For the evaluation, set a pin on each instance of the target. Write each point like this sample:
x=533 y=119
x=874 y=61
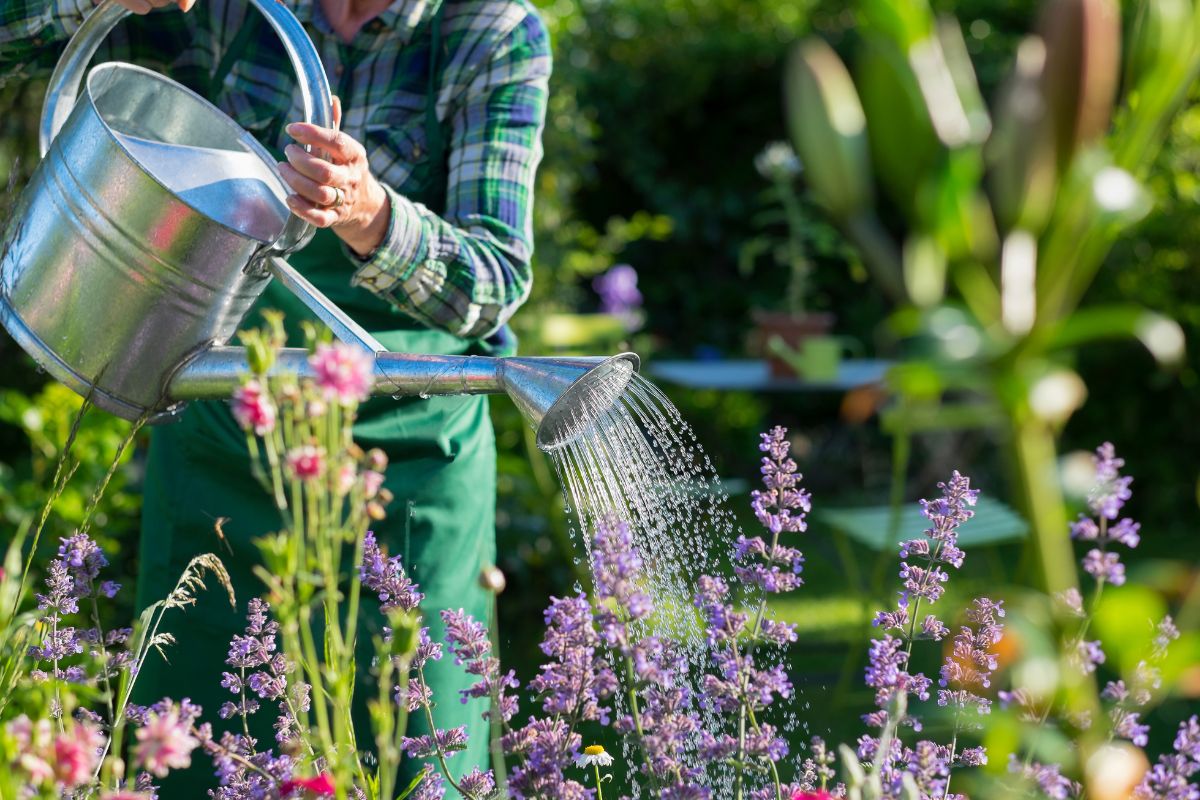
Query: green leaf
x=1125 y=620
x=1161 y=336
x=828 y=128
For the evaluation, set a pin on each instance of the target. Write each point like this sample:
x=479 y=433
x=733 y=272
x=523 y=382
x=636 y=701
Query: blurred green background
x=658 y=109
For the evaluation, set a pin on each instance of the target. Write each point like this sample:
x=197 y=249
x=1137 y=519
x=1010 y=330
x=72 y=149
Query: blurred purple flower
x=618 y=290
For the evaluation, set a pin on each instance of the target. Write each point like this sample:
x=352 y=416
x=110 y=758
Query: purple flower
x=386 y=577
x=887 y=673
x=618 y=290
x=1105 y=500
x=1170 y=778
x=781 y=505
x=478 y=783
x=1111 y=491
x=617 y=569
x=969 y=666
x=472 y=648
x=576 y=679
x=1087 y=655
x=431 y=786
x=441 y=742
x=1045 y=777
x=548 y=746
x=1104 y=566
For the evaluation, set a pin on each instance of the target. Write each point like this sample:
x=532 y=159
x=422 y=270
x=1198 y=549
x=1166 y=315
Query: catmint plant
x=927 y=766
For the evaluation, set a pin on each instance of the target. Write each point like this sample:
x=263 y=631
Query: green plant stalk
x=798 y=285
x=499 y=768
x=879 y=254
x=599 y=791
x=62 y=476
x=1036 y=464
x=441 y=756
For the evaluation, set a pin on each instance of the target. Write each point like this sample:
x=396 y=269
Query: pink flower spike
x=306 y=463
x=817 y=795
x=164 y=744
x=343 y=373
x=253 y=409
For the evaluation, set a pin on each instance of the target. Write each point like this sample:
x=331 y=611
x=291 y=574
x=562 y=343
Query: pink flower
x=820 y=794
x=344 y=373
x=76 y=754
x=346 y=474
x=33 y=748
x=372 y=482
x=124 y=794
x=253 y=409
x=164 y=744
x=307 y=462
x=319 y=786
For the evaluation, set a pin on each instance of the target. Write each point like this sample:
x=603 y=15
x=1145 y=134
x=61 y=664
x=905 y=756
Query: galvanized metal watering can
x=154 y=222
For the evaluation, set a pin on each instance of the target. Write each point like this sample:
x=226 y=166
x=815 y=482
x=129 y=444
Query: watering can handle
x=314 y=84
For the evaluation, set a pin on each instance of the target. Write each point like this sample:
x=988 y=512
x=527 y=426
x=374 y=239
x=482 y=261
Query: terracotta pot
x=792 y=329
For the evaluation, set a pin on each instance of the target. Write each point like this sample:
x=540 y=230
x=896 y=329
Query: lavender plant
x=926 y=768
x=1124 y=702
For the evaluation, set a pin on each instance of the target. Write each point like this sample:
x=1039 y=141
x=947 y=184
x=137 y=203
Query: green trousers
x=442 y=472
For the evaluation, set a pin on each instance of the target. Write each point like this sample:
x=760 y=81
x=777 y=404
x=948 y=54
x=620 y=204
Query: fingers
x=337 y=111
x=186 y=5
x=318 y=194
x=316 y=169
x=342 y=148
x=310 y=213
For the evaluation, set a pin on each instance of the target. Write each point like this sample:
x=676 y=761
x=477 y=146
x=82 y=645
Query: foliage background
x=658 y=108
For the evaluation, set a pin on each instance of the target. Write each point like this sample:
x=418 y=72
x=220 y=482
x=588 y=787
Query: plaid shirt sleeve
x=469 y=270
x=32 y=32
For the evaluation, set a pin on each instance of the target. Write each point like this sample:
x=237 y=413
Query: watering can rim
x=313 y=84
x=239 y=132
x=567 y=397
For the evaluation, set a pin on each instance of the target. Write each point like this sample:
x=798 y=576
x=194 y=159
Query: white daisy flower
x=594 y=754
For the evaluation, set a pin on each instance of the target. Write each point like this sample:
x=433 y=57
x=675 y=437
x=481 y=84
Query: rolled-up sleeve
x=31 y=33
x=468 y=270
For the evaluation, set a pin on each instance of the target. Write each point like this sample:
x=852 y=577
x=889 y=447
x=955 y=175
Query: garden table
x=754 y=375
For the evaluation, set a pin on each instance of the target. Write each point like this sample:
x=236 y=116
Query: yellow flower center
x=593 y=750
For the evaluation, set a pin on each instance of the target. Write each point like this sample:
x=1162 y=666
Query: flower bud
x=375 y=510
x=377 y=459
x=828 y=128
x=492 y=579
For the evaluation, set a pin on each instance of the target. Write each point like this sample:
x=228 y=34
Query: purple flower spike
x=782 y=505
x=386 y=577
x=1105 y=500
x=472 y=648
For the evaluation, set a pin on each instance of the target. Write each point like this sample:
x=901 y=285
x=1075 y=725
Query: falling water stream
x=638 y=459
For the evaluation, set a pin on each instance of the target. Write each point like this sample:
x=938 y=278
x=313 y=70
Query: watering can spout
x=560 y=397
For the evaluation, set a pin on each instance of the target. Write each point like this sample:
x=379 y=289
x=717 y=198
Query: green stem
x=599 y=791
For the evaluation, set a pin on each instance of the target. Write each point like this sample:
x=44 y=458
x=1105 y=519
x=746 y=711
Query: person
x=423 y=198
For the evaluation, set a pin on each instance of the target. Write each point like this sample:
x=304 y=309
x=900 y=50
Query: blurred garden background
x=659 y=109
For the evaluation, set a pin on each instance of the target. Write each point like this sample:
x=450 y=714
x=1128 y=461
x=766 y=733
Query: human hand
x=146 y=6
x=333 y=184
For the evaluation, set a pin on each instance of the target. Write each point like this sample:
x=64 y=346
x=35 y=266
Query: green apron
x=442 y=472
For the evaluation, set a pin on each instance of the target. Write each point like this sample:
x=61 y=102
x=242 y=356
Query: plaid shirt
x=464 y=271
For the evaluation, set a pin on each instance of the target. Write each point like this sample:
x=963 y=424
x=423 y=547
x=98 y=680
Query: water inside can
x=236 y=188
